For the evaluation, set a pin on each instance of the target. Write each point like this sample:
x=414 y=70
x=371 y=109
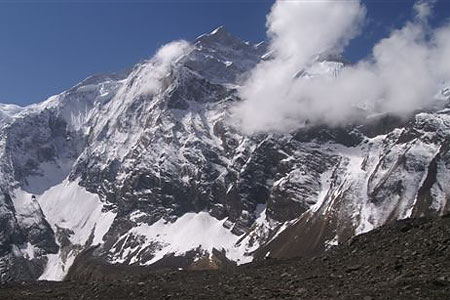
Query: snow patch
x=188 y=232
x=69 y=206
x=191 y=231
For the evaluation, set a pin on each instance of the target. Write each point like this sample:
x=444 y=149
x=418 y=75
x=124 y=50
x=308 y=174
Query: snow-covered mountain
x=145 y=166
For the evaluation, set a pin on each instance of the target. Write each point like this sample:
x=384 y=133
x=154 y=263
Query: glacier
x=144 y=165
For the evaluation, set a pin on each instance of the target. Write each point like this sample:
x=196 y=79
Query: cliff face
x=146 y=166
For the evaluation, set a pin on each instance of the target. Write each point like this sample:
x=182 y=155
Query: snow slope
x=146 y=165
x=76 y=215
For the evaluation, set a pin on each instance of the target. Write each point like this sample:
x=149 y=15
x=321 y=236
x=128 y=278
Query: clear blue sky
x=47 y=46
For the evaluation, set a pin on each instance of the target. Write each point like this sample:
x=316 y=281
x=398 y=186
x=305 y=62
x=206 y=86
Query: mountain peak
x=219 y=31
x=220 y=36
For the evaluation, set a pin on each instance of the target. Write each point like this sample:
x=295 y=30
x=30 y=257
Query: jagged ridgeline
x=144 y=167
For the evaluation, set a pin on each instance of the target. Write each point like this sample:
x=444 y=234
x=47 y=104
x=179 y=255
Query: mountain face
x=144 y=168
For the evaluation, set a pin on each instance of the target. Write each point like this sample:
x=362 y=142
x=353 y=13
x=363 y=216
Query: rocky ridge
x=134 y=163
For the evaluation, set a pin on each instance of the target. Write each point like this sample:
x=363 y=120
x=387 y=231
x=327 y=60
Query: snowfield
x=146 y=164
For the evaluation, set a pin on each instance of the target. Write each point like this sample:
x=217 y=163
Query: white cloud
x=293 y=28
x=160 y=65
x=402 y=74
x=424 y=9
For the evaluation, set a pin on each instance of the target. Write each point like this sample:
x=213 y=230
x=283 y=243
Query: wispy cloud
x=160 y=65
x=403 y=73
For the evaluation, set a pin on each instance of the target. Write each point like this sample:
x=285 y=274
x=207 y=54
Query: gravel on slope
x=409 y=259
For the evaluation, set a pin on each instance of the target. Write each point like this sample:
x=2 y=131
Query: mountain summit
x=145 y=168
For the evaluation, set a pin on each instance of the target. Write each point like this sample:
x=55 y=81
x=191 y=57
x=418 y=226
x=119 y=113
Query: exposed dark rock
x=386 y=263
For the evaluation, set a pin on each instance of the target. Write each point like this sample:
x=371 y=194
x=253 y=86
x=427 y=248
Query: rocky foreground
x=150 y=163
x=406 y=260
